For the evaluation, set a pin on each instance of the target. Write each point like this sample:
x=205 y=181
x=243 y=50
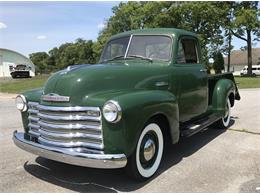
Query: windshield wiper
x=114 y=58
x=141 y=57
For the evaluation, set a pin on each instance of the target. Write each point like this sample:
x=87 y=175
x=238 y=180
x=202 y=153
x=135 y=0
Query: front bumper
x=105 y=161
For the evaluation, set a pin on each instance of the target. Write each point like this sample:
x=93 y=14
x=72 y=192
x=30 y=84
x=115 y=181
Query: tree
x=78 y=52
x=218 y=64
x=246 y=24
x=40 y=60
x=203 y=18
x=228 y=7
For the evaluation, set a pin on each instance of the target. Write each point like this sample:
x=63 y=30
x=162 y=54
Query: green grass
x=9 y=85
x=248 y=82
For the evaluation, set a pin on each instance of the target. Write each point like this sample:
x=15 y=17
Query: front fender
x=222 y=90
x=137 y=108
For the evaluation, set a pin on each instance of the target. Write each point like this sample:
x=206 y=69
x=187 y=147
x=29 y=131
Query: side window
x=187 y=51
x=180 y=55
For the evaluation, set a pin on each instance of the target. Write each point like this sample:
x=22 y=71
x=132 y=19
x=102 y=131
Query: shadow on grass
x=81 y=179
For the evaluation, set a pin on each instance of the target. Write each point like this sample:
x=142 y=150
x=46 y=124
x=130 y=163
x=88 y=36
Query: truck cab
x=150 y=86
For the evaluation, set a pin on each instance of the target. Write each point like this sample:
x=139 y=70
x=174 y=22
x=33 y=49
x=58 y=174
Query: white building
x=9 y=59
x=238 y=60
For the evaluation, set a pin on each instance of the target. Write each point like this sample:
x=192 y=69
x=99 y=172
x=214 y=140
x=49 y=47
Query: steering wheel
x=152 y=55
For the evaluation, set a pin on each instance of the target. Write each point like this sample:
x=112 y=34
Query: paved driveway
x=211 y=161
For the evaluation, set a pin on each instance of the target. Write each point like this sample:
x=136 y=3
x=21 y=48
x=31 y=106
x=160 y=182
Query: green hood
x=85 y=81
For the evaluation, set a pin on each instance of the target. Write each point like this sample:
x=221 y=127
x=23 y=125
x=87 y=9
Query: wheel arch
x=140 y=107
x=223 y=89
x=168 y=129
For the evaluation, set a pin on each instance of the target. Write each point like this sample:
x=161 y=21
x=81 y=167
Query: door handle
x=203 y=70
x=161 y=83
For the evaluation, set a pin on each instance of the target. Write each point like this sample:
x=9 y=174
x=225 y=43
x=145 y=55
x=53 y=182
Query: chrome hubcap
x=149 y=149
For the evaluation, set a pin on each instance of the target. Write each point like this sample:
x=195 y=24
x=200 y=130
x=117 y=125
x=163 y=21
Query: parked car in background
x=150 y=87
x=20 y=70
x=255 y=70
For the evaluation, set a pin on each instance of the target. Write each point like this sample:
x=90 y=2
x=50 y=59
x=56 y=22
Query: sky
x=29 y=27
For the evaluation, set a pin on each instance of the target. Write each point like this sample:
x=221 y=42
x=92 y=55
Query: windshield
x=115 y=48
x=146 y=47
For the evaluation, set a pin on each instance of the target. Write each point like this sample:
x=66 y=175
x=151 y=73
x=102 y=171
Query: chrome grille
x=68 y=127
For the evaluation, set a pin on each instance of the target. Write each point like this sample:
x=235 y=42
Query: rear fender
x=223 y=89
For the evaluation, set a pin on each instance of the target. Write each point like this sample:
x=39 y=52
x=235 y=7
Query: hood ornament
x=53 y=97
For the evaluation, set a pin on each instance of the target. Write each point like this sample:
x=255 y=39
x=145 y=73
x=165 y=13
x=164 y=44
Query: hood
x=80 y=81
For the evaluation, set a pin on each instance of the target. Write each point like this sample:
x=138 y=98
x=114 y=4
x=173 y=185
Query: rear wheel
x=225 y=120
x=145 y=161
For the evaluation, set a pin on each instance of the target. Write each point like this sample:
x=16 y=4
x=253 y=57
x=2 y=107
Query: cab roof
x=157 y=31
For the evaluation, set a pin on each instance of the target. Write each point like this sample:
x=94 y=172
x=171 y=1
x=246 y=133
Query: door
x=192 y=80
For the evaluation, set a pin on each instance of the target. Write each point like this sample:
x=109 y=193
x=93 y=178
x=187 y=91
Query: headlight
x=112 y=111
x=21 y=103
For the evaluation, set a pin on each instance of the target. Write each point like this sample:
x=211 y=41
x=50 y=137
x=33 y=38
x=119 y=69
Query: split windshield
x=145 y=47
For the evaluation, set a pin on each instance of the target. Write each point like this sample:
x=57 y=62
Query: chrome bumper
x=105 y=161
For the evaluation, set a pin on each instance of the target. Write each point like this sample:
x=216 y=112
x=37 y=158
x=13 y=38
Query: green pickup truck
x=149 y=87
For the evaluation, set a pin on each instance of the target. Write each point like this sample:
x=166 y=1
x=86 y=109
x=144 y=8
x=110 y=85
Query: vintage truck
x=149 y=87
x=20 y=70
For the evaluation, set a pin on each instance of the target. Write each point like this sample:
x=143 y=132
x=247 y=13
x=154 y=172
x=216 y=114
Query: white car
x=255 y=70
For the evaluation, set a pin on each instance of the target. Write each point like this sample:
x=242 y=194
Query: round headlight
x=21 y=103
x=112 y=111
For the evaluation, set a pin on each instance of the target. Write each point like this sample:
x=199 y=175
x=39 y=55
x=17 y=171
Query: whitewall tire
x=147 y=157
x=225 y=120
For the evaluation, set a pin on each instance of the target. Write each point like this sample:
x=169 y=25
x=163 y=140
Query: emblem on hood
x=52 y=97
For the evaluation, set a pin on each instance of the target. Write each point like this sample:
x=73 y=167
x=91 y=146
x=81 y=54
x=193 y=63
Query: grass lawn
x=248 y=82
x=9 y=85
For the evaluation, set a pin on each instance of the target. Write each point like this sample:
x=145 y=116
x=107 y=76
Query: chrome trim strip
x=70 y=144
x=128 y=45
x=69 y=126
x=76 y=108
x=70 y=135
x=68 y=117
x=70 y=156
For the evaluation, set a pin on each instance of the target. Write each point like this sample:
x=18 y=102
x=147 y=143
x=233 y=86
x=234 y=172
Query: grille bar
x=70 y=144
x=32 y=111
x=68 y=117
x=33 y=126
x=67 y=109
x=35 y=133
x=68 y=127
x=33 y=119
x=70 y=135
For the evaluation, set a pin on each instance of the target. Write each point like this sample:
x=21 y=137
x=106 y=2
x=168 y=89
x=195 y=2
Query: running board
x=196 y=126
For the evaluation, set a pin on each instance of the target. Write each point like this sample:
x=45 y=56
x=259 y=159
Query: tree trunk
x=249 y=52
x=229 y=50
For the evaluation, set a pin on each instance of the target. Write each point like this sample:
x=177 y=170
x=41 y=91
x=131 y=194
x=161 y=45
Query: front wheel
x=145 y=161
x=225 y=120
